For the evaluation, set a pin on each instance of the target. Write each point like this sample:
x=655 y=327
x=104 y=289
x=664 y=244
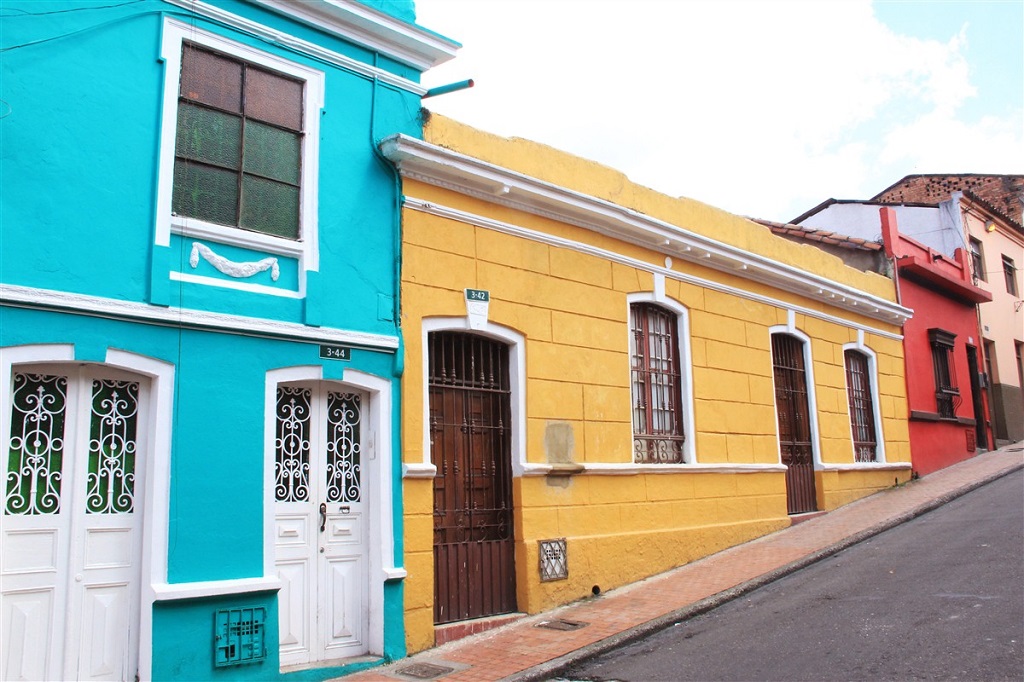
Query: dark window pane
x=210 y=136
x=211 y=79
x=272 y=152
x=205 y=192
x=270 y=207
x=273 y=98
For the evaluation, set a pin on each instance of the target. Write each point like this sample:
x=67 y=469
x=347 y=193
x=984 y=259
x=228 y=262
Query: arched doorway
x=794 y=419
x=470 y=445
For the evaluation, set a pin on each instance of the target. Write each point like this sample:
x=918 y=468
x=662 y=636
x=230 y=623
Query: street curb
x=550 y=669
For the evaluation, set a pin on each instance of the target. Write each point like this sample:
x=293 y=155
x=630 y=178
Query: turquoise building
x=199 y=337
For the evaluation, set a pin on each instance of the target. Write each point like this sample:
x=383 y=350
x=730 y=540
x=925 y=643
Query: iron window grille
x=862 y=408
x=1010 y=275
x=656 y=385
x=238 y=150
x=977 y=260
x=947 y=394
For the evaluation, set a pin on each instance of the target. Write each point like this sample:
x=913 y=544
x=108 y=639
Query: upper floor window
x=862 y=407
x=238 y=152
x=1010 y=275
x=947 y=394
x=656 y=384
x=977 y=260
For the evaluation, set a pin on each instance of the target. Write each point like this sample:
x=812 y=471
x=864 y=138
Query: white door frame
x=155 y=494
x=378 y=469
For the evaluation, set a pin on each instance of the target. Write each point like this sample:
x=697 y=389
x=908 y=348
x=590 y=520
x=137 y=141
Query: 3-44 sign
x=335 y=352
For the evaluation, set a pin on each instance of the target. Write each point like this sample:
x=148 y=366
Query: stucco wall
x=572 y=309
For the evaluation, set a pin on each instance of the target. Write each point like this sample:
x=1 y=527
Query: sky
x=764 y=108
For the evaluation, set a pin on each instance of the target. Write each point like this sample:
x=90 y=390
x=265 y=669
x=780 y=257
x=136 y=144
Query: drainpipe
x=451 y=87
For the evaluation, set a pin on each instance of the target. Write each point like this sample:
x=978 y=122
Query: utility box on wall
x=239 y=636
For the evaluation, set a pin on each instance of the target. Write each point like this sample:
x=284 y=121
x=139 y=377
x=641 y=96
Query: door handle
x=323 y=516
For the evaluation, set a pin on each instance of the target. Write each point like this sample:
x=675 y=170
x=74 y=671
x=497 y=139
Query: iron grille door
x=794 y=423
x=470 y=413
x=862 y=408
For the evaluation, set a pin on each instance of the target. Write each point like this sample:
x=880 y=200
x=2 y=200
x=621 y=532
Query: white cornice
x=609 y=469
x=415 y=204
x=366 y=26
x=47 y=299
x=297 y=44
x=441 y=167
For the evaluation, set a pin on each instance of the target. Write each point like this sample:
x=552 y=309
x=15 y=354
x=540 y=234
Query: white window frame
x=305 y=248
x=658 y=297
x=876 y=405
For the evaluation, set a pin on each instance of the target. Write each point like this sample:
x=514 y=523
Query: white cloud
x=762 y=108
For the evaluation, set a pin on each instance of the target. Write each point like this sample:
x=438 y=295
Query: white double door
x=71 y=524
x=320 y=522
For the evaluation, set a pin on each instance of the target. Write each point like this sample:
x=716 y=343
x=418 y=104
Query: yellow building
x=602 y=382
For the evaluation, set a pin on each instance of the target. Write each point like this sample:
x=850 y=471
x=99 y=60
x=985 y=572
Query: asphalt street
x=940 y=598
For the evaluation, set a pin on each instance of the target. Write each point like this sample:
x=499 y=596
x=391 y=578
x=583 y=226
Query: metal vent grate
x=561 y=624
x=239 y=636
x=554 y=561
x=424 y=671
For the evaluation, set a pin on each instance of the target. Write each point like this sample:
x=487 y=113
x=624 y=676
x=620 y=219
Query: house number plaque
x=477 y=301
x=335 y=352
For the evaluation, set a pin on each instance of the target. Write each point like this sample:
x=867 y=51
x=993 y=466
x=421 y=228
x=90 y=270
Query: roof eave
x=419 y=160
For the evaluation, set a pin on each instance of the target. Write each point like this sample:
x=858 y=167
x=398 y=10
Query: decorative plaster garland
x=231 y=268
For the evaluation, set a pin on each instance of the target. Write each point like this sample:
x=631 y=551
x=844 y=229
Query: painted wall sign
x=335 y=352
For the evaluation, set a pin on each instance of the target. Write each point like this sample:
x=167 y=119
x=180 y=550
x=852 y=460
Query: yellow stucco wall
x=572 y=310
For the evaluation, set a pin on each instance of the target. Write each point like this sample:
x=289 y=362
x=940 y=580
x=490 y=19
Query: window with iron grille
x=977 y=260
x=656 y=385
x=238 y=150
x=862 y=407
x=947 y=394
x=1010 y=275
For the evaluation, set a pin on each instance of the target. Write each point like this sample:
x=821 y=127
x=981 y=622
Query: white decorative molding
x=610 y=469
x=419 y=470
x=214 y=588
x=176 y=276
x=866 y=466
x=231 y=268
x=441 y=167
x=416 y=204
x=350 y=21
x=396 y=573
x=82 y=304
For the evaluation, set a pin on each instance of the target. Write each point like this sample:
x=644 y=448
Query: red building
x=947 y=410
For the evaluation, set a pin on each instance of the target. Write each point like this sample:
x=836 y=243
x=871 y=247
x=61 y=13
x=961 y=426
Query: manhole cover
x=424 y=671
x=562 y=624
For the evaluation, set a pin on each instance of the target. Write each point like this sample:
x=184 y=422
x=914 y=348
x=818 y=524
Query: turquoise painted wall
x=81 y=84
x=84 y=95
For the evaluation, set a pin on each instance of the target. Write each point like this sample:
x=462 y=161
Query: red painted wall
x=934 y=444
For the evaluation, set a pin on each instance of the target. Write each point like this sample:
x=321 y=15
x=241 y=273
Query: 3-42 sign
x=478 y=295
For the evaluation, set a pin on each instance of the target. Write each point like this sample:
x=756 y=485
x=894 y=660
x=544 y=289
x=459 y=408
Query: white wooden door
x=320 y=523
x=72 y=521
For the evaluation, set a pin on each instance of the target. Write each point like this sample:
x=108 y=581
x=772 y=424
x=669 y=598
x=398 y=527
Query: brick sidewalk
x=522 y=651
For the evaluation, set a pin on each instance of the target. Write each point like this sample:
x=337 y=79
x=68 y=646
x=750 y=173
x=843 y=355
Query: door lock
x=323 y=516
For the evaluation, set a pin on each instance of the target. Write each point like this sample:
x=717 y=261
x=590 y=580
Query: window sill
x=922 y=416
x=200 y=229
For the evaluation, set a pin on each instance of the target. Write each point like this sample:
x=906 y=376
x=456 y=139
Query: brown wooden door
x=470 y=444
x=794 y=422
